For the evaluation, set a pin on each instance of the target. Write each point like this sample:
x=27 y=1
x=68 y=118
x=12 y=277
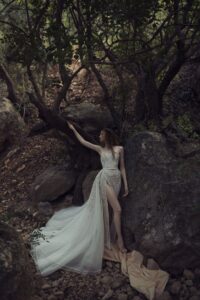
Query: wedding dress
x=74 y=238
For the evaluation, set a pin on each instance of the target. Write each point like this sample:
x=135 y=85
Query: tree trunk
x=107 y=97
x=148 y=103
x=12 y=95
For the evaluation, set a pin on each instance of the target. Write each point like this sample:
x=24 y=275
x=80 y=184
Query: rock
x=36 y=298
x=52 y=297
x=184 y=288
x=101 y=293
x=12 y=127
x=182 y=297
x=12 y=152
x=109 y=264
x=45 y=208
x=184 y=292
x=194 y=298
x=189 y=282
x=197 y=272
x=193 y=290
x=137 y=298
x=15 y=271
x=159 y=216
x=59 y=293
x=87 y=184
x=122 y=296
x=91 y=114
x=108 y=295
x=188 y=274
x=106 y=279
x=182 y=279
x=21 y=168
x=117 y=283
x=152 y=264
x=165 y=296
x=52 y=183
x=46 y=286
x=175 y=288
x=130 y=291
x=55 y=283
x=118 y=266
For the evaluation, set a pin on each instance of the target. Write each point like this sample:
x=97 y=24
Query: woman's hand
x=82 y=140
x=125 y=192
x=71 y=126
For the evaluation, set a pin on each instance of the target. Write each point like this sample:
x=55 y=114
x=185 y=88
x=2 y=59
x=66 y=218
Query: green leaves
x=36 y=35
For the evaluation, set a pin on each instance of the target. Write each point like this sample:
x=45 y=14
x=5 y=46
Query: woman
x=74 y=238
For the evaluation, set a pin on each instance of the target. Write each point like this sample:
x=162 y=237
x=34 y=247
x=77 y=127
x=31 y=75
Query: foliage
x=35 y=236
x=5 y=217
x=185 y=124
x=151 y=40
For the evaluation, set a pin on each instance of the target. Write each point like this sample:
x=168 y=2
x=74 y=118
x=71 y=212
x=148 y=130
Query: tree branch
x=64 y=89
x=14 y=26
x=6 y=6
x=34 y=84
x=54 y=120
x=12 y=95
x=40 y=16
x=107 y=96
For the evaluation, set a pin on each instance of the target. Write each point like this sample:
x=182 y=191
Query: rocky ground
x=19 y=167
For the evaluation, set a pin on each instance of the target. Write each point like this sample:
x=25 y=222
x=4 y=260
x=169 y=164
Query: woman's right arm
x=83 y=141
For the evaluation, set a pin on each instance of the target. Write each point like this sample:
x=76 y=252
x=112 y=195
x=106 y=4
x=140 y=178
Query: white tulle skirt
x=74 y=238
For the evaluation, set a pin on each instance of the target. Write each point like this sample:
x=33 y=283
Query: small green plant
x=5 y=217
x=139 y=127
x=35 y=236
x=195 y=135
x=185 y=124
x=152 y=126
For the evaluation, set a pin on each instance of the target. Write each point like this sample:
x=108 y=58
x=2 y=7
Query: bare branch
x=6 y=6
x=14 y=26
x=12 y=95
x=28 y=17
x=40 y=16
x=64 y=89
x=56 y=121
x=34 y=84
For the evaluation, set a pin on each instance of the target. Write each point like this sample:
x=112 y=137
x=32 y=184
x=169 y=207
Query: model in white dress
x=74 y=238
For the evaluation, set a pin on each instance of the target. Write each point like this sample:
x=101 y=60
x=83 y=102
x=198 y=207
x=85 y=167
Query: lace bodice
x=108 y=161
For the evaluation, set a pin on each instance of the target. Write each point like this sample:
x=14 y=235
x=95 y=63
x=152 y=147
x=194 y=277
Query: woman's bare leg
x=113 y=201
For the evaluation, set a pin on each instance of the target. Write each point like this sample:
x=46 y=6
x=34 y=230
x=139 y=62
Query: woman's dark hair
x=111 y=138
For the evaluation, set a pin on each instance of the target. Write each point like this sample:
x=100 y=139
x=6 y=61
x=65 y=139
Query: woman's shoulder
x=119 y=148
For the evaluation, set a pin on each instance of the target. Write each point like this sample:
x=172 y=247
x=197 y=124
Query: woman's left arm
x=123 y=172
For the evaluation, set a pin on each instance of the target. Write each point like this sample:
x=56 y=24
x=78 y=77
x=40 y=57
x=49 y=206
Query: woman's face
x=102 y=136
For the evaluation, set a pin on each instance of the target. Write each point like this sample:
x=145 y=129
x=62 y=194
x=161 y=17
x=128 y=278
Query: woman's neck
x=106 y=146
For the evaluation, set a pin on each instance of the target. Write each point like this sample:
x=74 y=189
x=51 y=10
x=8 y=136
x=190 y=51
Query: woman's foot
x=120 y=244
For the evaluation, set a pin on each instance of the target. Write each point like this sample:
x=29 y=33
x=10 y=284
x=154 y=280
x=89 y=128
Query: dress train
x=74 y=238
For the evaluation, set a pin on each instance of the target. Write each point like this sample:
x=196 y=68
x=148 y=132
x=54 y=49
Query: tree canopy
x=150 y=40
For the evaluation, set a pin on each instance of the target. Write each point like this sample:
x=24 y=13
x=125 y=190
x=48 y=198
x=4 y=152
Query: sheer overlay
x=74 y=238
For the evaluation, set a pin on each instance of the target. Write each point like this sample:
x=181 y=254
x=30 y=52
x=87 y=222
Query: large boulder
x=12 y=126
x=161 y=215
x=92 y=116
x=15 y=273
x=54 y=182
x=87 y=184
